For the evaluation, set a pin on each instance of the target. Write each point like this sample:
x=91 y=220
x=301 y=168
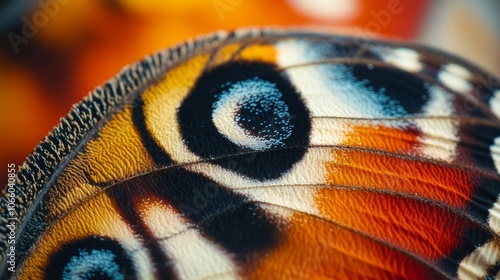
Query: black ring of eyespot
x=75 y=254
x=204 y=139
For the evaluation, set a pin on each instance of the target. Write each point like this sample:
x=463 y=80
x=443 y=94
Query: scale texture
x=267 y=154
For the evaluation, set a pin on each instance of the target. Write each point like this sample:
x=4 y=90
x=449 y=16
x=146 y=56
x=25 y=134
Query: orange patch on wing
x=256 y=52
x=427 y=180
x=313 y=248
x=118 y=152
x=387 y=196
x=377 y=170
x=383 y=138
x=416 y=226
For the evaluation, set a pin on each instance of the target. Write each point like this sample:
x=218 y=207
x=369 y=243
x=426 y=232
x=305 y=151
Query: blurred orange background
x=53 y=52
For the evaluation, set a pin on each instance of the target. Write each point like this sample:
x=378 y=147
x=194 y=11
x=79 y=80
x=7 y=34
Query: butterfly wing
x=269 y=154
